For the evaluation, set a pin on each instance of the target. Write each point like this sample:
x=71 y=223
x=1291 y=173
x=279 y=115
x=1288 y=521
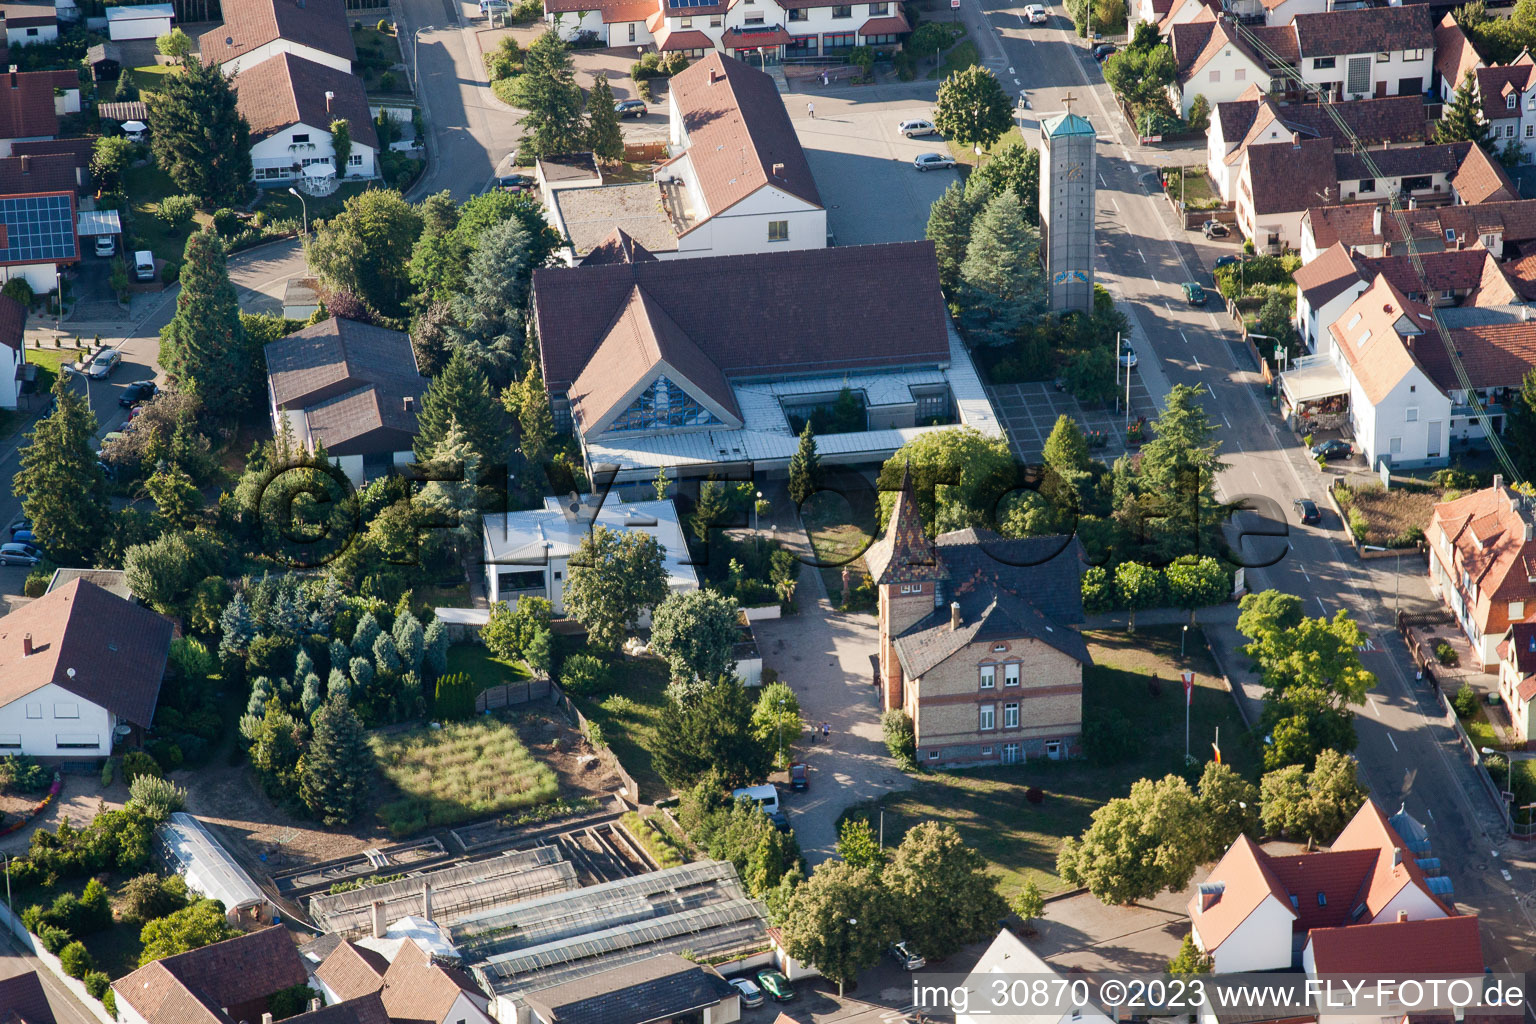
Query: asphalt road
x=1407 y=758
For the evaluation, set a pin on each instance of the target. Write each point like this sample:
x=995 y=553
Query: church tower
x=1067 y=176
x=909 y=579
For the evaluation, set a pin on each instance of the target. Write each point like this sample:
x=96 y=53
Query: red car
x=799 y=777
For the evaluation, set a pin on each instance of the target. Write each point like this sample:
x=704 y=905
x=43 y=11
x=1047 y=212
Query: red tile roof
x=1494 y=85
x=1324 y=886
x=1487 y=532
x=194 y=987
x=896 y=24
x=286 y=90
x=352 y=971
x=903 y=553
x=321 y=24
x=22 y=1001
x=115 y=649
x=1481 y=179
x=739 y=135
x=1370 y=830
x=1353 y=224
x=1519 y=649
x=1439 y=946
x=1291 y=176
x=1245 y=881
x=1327 y=276
x=13 y=323
x=417 y=991
x=26 y=105
x=1454 y=53
x=764 y=314
x=772 y=35
x=613 y=11
x=618 y=247
x=687 y=39
x=1379 y=29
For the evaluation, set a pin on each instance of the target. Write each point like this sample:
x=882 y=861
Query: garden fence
x=645 y=152
x=509 y=694
x=605 y=755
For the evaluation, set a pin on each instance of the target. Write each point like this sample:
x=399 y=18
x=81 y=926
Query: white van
x=765 y=796
x=144 y=265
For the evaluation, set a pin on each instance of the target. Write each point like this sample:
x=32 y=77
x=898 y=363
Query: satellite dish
x=70 y=672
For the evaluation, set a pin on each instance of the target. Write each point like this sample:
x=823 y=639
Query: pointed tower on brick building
x=909 y=578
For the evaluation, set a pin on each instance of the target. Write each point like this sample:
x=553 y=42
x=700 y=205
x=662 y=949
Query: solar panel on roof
x=38 y=229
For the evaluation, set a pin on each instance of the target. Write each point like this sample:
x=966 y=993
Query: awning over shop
x=735 y=39
x=894 y=25
x=1311 y=379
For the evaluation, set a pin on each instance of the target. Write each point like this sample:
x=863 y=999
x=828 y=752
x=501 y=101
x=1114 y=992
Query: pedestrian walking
x=824 y=79
x=810 y=108
x=826 y=732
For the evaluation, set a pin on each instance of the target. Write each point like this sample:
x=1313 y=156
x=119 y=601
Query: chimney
x=426 y=901
x=1402 y=916
x=1295 y=140
x=13 y=76
x=379 y=928
x=26 y=644
x=1386 y=249
x=954 y=615
x=329 y=96
x=1397 y=856
x=314 y=1004
x=266 y=1018
x=26 y=164
x=1376 y=220
x=1498 y=483
x=778 y=170
x=714 y=76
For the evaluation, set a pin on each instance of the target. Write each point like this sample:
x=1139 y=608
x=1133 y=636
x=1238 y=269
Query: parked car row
x=775 y=984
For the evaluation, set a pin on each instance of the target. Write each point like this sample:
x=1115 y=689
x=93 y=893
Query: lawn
x=839 y=534
x=1392 y=518
x=145 y=187
x=961 y=56
x=461 y=772
x=151 y=77
x=1019 y=839
x=49 y=361
x=629 y=726
x=280 y=204
x=1194 y=189
x=484 y=670
x=967 y=155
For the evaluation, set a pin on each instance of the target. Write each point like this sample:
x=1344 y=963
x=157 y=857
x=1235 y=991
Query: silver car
x=16 y=553
x=913 y=127
x=751 y=995
x=934 y=162
x=105 y=362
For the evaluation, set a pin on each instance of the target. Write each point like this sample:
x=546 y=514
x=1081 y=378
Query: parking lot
x=1029 y=412
x=863 y=166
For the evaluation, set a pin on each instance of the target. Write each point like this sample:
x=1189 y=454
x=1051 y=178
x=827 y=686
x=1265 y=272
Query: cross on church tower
x=1069 y=99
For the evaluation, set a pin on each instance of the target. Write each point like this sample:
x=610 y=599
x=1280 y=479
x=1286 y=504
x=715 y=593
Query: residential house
x=1214 y=61
x=1517 y=677
x=1382 y=51
x=418 y=990
x=1481 y=548
x=1257 y=910
x=761 y=31
x=255 y=30
x=664 y=987
x=1437 y=946
x=53 y=172
x=1276 y=183
x=145 y=21
x=13 y=350
x=222 y=983
x=1150 y=11
x=38 y=237
x=27 y=107
x=1408 y=405
x=1455 y=58
x=1255 y=118
x=650 y=370
x=29 y=24
x=1508 y=95
x=737 y=180
x=1280 y=13
x=23 y=1001
x=527 y=552
x=290 y=103
x=976 y=640
x=1180 y=12
x=351 y=387
x=1004 y=961
x=1457 y=172
x=1505 y=229
x=349 y=971
x=77 y=666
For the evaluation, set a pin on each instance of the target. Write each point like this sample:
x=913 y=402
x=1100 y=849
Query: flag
x=1217 y=749
x=1189 y=688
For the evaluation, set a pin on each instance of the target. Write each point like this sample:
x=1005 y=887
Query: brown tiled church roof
x=904 y=554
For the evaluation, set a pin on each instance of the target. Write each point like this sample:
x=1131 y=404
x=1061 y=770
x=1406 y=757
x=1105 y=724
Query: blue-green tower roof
x=1068 y=124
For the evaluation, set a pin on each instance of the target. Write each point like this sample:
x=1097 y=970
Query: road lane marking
x=1372 y=702
x=1394 y=750
x=1142 y=255
x=1102 y=181
x=1507 y=877
x=1198 y=367
x=1011 y=71
x=1430 y=813
x=1185 y=337
x=1015 y=81
x=1225 y=420
x=1303 y=573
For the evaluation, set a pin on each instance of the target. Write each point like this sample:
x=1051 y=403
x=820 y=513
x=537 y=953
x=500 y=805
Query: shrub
x=225 y=222
x=580 y=674
x=157 y=798
x=17 y=288
x=97 y=983
x=1358 y=526
x=109 y=998
x=1445 y=653
x=176 y=211
x=20 y=774
x=53 y=938
x=76 y=960
x=454 y=699
x=595 y=735
x=39 y=578
x=1035 y=795
x=900 y=738
x=387 y=81
x=136 y=763
x=170 y=271
x=148 y=896
x=290 y=1002
x=1465 y=701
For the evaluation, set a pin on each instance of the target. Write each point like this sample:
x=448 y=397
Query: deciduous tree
x=841 y=920
x=958 y=476
x=610 y=578
x=1138 y=587
x=776 y=719
x=175 y=44
x=946 y=896
x=1015 y=168
x=201 y=924
x=1189 y=959
x=1229 y=807
x=365 y=249
x=695 y=632
x=973 y=108
x=857 y=844
x=1312 y=805
x=1138 y=845
x=1196 y=582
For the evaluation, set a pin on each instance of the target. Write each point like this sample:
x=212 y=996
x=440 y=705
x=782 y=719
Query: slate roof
x=738 y=132
x=350 y=380
x=903 y=553
x=618 y=247
x=26 y=105
x=321 y=24
x=286 y=90
x=22 y=1001
x=116 y=648
x=1327 y=276
x=661 y=987
x=192 y=987
x=1439 y=946
x=352 y=970
x=757 y=315
x=13 y=323
x=1373 y=30
x=1352 y=223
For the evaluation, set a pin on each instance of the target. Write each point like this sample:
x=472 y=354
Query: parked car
x=138 y=391
x=493 y=6
x=934 y=162
x=1128 y=356
x=24 y=537
x=1226 y=261
x=630 y=108
x=106 y=245
x=143 y=265
x=107 y=439
x=1306 y=511
x=908 y=960
x=799 y=776
x=1331 y=449
x=1214 y=229
x=105 y=362
x=776 y=985
x=1036 y=14
x=16 y=553
x=20 y=524
x=514 y=183
x=1103 y=50
x=751 y=995
x=915 y=126
x=1194 y=293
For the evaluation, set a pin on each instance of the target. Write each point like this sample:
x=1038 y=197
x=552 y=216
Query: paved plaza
x=1029 y=412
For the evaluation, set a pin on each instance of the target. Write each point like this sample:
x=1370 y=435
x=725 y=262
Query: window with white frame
x=985 y=751
x=1411 y=414
x=1395 y=446
x=988 y=677
x=1530 y=130
x=1010 y=716
x=1215 y=75
x=933 y=755
x=1011 y=674
x=986 y=717
x=356 y=159
x=1384 y=56
x=1413 y=55
x=1516 y=610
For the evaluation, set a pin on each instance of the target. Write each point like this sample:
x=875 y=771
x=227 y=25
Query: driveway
x=863 y=166
x=824 y=656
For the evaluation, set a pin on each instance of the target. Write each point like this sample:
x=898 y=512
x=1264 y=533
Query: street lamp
x=303 y=207
x=1509 y=765
x=852 y=921
x=416 y=59
x=755 y=506
x=10 y=912
x=1183 y=637
x=781 y=730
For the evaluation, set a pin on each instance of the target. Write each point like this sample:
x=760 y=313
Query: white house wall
x=1376 y=425
x=1261 y=943
x=139 y=28
x=276 y=152
x=1286 y=12
x=1314 y=323
x=1217 y=150
x=465 y=1011
x=743 y=228
x=1225 y=77
x=66 y=101
x=570 y=26
x=255 y=56
x=33 y=34
x=10 y=359
x=43 y=277
x=42 y=719
x=1389 y=72
x=1415 y=902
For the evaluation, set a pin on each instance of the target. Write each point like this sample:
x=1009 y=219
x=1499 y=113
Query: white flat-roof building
x=526 y=553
